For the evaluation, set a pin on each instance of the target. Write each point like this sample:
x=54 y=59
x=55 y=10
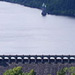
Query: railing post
x=29 y=59
x=0 y=59
x=23 y=59
x=69 y=59
x=62 y=59
x=3 y=58
x=74 y=59
x=42 y=59
x=48 y=59
x=9 y=59
x=36 y=59
x=16 y=59
x=55 y=60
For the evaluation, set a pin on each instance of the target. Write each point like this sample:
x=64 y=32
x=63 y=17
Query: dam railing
x=42 y=58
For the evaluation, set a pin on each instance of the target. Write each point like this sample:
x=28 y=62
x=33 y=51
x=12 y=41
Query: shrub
x=18 y=71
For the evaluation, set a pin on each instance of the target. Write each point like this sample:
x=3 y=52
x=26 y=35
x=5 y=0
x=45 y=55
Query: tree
x=18 y=71
x=58 y=7
x=31 y=72
x=14 y=71
x=72 y=70
x=62 y=72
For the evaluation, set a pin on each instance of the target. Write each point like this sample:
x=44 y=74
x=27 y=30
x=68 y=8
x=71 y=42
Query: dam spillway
x=38 y=58
x=42 y=64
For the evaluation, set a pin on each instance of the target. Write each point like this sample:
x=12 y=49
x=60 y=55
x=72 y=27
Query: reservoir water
x=24 y=30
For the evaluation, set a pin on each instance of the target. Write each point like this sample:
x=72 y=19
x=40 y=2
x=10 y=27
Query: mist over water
x=24 y=30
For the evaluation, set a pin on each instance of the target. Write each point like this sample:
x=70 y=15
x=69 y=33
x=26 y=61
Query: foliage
x=72 y=70
x=18 y=71
x=62 y=72
x=49 y=74
x=14 y=71
x=58 y=7
x=31 y=72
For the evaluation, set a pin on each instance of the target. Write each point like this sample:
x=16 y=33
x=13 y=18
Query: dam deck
x=38 y=58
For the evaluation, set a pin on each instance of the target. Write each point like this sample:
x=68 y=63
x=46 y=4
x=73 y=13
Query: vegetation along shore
x=57 y=7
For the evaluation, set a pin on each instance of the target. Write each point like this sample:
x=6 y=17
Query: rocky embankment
x=40 y=69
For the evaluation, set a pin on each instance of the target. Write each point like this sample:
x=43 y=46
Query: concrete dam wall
x=38 y=58
x=42 y=64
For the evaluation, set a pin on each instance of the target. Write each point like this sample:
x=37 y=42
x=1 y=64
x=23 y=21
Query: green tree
x=62 y=72
x=14 y=71
x=49 y=74
x=58 y=7
x=31 y=72
x=18 y=71
x=72 y=70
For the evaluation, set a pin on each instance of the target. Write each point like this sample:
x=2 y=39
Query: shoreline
x=48 y=13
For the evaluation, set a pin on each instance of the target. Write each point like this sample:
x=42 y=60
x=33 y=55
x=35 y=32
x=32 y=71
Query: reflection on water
x=24 y=31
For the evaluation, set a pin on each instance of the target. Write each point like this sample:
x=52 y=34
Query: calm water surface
x=24 y=31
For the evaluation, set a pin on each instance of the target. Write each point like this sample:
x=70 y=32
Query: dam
x=38 y=58
x=42 y=64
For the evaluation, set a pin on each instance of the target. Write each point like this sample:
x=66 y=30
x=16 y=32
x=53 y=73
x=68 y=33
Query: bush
x=62 y=72
x=18 y=71
x=14 y=71
x=31 y=72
